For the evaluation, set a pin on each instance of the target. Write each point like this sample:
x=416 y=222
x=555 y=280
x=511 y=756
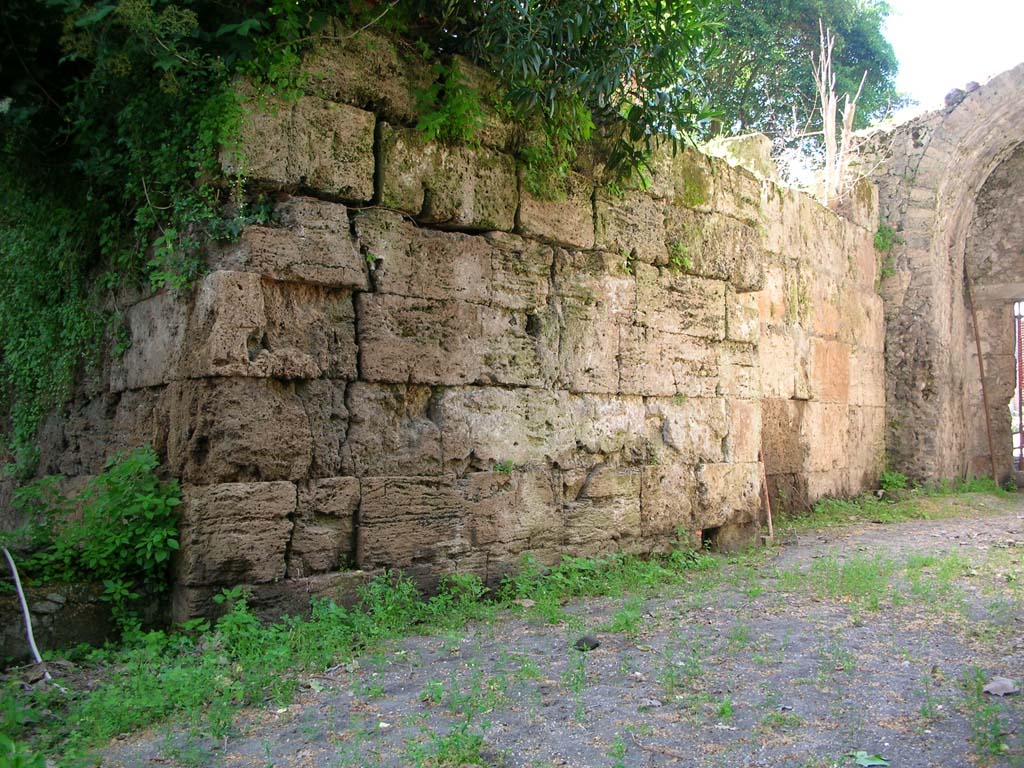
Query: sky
x=942 y=45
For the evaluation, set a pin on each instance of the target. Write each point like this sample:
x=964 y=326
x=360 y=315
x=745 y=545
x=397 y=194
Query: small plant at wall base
x=119 y=530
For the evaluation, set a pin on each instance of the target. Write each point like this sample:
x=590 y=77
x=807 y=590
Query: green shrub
x=120 y=529
x=892 y=480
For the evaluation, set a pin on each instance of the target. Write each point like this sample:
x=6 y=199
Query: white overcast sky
x=942 y=45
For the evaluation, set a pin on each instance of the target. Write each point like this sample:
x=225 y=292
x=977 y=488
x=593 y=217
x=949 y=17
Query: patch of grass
x=201 y=675
x=989 y=729
x=780 y=721
x=461 y=746
x=627 y=619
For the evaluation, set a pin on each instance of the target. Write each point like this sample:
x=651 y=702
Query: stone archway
x=995 y=263
x=930 y=173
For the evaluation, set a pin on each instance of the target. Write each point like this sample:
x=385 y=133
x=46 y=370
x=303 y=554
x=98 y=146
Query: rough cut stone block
x=652 y=362
x=695 y=428
x=737 y=192
x=716 y=246
x=324 y=523
x=392 y=431
x=569 y=221
x=368 y=71
x=728 y=493
x=739 y=371
x=784 y=450
x=497 y=269
x=686 y=178
x=826 y=432
x=742 y=317
x=867 y=378
x=244 y=326
x=606 y=424
x=830 y=371
x=235 y=533
x=866 y=458
x=425 y=341
x=602 y=508
x=157 y=327
x=668 y=499
x=484 y=427
x=632 y=226
x=324 y=403
x=408 y=520
x=777 y=352
x=513 y=512
x=311 y=143
x=595 y=298
x=313 y=245
x=863 y=258
x=455 y=186
x=744 y=441
x=271 y=601
x=224 y=430
x=677 y=303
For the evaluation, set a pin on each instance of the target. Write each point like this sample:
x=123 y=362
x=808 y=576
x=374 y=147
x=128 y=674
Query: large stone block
x=783 y=447
x=244 y=326
x=369 y=71
x=513 y=512
x=737 y=192
x=715 y=246
x=742 y=317
x=866 y=458
x=632 y=225
x=728 y=494
x=392 y=431
x=497 y=269
x=739 y=371
x=601 y=508
x=322 y=540
x=826 y=432
x=867 y=378
x=860 y=205
x=485 y=427
x=454 y=186
x=567 y=221
x=668 y=501
x=225 y=430
x=324 y=403
x=678 y=303
x=157 y=328
x=425 y=341
x=411 y=520
x=684 y=177
x=312 y=245
x=830 y=371
x=694 y=428
x=595 y=299
x=234 y=533
x=744 y=441
x=655 y=363
x=609 y=424
x=310 y=143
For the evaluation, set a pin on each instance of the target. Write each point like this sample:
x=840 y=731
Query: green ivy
x=119 y=530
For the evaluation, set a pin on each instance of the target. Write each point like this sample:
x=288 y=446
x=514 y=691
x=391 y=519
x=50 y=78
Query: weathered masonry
x=421 y=366
x=952 y=188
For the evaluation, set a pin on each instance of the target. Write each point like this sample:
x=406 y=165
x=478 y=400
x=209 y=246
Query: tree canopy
x=763 y=70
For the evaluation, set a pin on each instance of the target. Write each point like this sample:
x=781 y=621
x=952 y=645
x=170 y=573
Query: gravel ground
x=873 y=638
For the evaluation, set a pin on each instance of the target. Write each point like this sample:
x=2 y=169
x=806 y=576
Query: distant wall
x=930 y=173
x=420 y=366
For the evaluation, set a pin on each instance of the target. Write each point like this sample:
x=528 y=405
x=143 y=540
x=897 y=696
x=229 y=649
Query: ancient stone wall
x=420 y=366
x=930 y=172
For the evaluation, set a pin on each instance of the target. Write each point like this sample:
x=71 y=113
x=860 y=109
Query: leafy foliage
x=119 y=530
x=763 y=73
x=628 y=69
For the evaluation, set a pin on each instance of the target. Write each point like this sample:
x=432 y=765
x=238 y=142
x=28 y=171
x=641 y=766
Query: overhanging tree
x=762 y=76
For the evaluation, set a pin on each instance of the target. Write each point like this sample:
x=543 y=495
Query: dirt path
x=874 y=638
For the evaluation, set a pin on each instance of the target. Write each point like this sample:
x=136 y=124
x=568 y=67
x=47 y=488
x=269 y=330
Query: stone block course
x=450 y=186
